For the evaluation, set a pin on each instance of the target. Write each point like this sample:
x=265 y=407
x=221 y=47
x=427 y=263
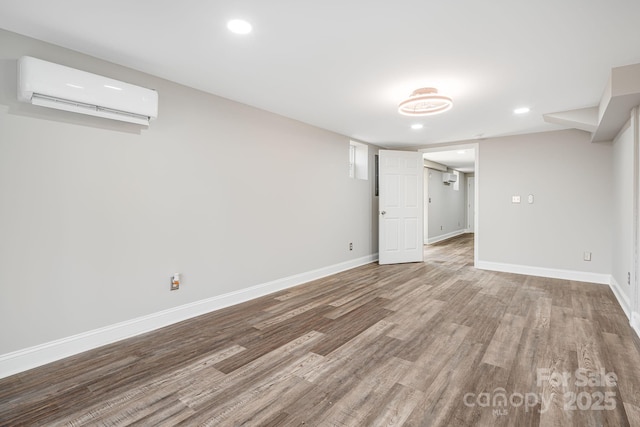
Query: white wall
x=623 y=216
x=571 y=180
x=446 y=207
x=96 y=215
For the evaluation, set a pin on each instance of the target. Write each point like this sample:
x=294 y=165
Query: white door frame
x=635 y=273
x=425 y=203
x=471 y=213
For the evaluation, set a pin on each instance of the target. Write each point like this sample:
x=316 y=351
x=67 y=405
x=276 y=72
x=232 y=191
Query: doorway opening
x=450 y=193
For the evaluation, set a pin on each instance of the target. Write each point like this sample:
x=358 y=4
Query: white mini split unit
x=448 y=178
x=56 y=86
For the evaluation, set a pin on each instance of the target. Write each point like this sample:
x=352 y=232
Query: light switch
x=515 y=199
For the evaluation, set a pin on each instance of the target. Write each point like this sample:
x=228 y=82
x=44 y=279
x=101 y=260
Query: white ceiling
x=345 y=65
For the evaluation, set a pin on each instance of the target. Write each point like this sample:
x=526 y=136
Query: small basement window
x=358 y=160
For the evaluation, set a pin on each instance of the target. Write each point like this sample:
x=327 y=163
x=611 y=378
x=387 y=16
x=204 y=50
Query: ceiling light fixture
x=417 y=126
x=521 y=110
x=239 y=26
x=425 y=102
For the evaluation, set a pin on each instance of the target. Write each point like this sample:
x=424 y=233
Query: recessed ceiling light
x=239 y=26
x=460 y=151
x=521 y=110
x=417 y=126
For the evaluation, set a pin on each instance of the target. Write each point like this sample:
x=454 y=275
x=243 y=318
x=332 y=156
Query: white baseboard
x=28 y=358
x=446 y=236
x=635 y=322
x=621 y=296
x=580 y=276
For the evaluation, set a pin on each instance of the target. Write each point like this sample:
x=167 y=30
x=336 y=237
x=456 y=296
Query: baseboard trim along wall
x=442 y=237
x=622 y=298
x=635 y=322
x=28 y=358
x=579 y=276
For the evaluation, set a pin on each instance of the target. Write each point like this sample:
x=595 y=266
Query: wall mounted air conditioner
x=448 y=178
x=56 y=86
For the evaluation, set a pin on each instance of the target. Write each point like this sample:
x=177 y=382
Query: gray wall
x=571 y=180
x=96 y=215
x=446 y=207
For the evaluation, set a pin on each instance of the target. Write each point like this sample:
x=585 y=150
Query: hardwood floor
x=428 y=344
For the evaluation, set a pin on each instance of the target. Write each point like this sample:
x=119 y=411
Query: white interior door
x=400 y=210
x=471 y=204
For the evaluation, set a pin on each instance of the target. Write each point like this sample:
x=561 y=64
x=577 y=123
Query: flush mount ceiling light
x=417 y=126
x=521 y=110
x=425 y=102
x=239 y=26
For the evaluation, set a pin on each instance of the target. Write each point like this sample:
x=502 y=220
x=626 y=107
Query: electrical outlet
x=629 y=278
x=350 y=246
x=587 y=256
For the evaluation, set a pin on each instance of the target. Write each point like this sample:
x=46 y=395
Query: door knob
x=383 y=212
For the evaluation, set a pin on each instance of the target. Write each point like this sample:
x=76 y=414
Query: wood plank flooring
x=437 y=343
